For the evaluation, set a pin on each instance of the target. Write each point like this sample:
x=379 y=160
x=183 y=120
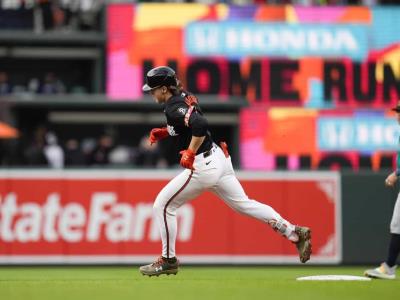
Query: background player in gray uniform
x=387 y=270
x=207 y=167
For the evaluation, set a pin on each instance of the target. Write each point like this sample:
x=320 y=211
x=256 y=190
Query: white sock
x=284 y=228
x=293 y=237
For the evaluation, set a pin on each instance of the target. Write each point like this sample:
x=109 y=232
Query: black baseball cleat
x=161 y=266
x=303 y=245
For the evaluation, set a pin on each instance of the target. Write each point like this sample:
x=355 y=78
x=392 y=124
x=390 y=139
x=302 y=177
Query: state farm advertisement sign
x=106 y=217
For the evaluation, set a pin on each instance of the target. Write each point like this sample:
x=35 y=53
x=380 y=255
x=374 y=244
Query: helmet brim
x=146 y=88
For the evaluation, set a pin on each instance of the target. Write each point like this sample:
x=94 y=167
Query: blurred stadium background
x=300 y=90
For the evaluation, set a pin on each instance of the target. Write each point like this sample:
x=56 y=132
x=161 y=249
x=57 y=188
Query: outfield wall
x=367 y=207
x=102 y=216
x=106 y=217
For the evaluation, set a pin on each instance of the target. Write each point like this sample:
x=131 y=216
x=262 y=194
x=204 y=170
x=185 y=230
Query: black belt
x=209 y=152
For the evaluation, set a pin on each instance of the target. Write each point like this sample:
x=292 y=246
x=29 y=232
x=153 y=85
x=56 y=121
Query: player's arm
x=157 y=134
x=199 y=125
x=189 y=116
x=195 y=143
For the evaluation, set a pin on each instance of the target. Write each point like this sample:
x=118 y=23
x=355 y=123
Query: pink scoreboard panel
x=310 y=139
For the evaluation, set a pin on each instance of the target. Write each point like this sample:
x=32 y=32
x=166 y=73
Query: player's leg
x=394 y=246
x=178 y=191
x=231 y=191
x=387 y=270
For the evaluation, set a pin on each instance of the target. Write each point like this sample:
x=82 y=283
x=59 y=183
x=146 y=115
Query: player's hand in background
x=157 y=134
x=187 y=159
x=191 y=99
x=224 y=148
x=391 y=180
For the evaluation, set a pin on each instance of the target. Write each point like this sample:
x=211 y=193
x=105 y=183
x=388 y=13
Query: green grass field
x=206 y=283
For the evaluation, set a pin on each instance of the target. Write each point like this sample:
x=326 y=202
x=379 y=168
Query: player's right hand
x=187 y=159
x=391 y=180
x=157 y=134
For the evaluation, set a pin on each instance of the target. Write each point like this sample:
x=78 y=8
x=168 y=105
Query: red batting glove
x=187 y=159
x=224 y=148
x=157 y=134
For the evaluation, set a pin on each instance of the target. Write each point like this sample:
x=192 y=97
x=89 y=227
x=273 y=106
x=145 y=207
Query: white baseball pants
x=395 y=222
x=214 y=173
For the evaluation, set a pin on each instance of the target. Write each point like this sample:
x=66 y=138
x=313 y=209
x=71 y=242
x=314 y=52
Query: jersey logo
x=171 y=130
x=208 y=163
x=182 y=110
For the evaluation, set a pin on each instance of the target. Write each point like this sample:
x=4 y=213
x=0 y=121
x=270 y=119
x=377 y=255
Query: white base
x=333 y=278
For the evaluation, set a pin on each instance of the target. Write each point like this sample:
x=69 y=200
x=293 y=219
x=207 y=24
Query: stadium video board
x=319 y=57
x=303 y=138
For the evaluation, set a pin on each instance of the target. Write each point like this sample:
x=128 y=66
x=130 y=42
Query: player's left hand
x=157 y=134
x=187 y=159
x=391 y=180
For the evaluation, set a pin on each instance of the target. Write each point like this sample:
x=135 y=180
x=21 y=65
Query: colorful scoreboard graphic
x=314 y=57
x=302 y=138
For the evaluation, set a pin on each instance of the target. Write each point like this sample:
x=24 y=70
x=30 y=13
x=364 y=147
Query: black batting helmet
x=160 y=76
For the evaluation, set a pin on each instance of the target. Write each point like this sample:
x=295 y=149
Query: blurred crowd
x=44 y=149
x=80 y=15
x=40 y=15
x=49 y=84
x=275 y=2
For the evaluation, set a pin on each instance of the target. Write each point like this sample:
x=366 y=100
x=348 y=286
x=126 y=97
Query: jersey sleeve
x=198 y=123
x=189 y=116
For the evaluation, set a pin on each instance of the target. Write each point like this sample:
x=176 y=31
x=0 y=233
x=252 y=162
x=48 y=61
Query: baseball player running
x=207 y=167
x=387 y=270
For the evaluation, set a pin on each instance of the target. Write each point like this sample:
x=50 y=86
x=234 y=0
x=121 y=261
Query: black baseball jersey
x=185 y=121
